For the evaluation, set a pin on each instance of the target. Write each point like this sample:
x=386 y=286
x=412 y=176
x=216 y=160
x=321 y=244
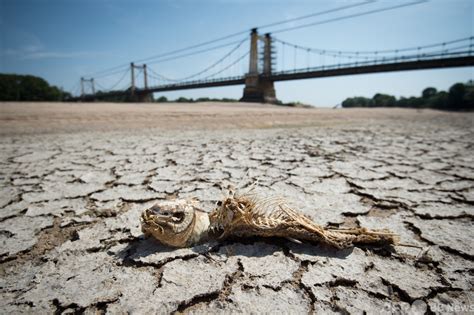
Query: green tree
x=459 y=97
x=357 y=101
x=402 y=102
x=438 y=101
x=468 y=99
x=228 y=100
x=428 y=92
x=384 y=100
x=184 y=100
x=28 y=88
x=456 y=96
x=203 y=99
x=414 y=102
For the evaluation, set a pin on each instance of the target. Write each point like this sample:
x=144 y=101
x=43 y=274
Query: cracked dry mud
x=71 y=240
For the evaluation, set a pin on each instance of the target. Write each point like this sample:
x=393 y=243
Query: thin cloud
x=35 y=53
x=65 y=55
x=22 y=45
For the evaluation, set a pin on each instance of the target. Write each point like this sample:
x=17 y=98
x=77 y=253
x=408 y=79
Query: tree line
x=164 y=99
x=459 y=97
x=14 y=87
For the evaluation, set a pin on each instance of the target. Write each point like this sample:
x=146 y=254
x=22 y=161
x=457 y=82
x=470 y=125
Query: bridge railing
x=194 y=82
x=379 y=61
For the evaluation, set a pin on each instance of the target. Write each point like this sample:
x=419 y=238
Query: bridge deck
x=376 y=68
x=320 y=72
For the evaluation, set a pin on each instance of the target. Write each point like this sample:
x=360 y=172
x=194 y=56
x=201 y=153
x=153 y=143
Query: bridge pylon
x=91 y=81
x=258 y=86
x=139 y=95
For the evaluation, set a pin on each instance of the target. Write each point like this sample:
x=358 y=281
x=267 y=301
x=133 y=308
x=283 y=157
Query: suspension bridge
x=258 y=60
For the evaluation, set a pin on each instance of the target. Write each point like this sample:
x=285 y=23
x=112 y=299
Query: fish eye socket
x=178 y=215
x=155 y=209
x=219 y=203
x=159 y=211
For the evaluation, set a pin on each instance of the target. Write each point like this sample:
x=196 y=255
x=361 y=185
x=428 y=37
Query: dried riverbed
x=72 y=189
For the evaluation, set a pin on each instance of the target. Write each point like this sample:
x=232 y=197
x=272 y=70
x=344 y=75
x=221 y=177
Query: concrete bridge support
x=258 y=87
x=142 y=97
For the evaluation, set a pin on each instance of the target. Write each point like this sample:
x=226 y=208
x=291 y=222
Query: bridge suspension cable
x=160 y=58
x=418 y=56
x=349 y=16
x=102 y=88
x=270 y=25
x=228 y=66
x=421 y=54
x=195 y=52
x=137 y=74
x=316 y=14
x=125 y=73
x=362 y=53
x=74 y=90
x=157 y=76
x=108 y=74
x=337 y=56
x=109 y=71
x=105 y=72
x=220 y=60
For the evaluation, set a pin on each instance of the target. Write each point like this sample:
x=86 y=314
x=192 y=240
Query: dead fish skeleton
x=182 y=223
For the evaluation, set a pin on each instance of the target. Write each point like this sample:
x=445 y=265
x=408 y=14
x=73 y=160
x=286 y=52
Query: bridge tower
x=139 y=95
x=266 y=85
x=258 y=86
x=84 y=80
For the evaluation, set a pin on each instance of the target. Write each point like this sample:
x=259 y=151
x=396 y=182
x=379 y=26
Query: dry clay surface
x=34 y=118
x=71 y=241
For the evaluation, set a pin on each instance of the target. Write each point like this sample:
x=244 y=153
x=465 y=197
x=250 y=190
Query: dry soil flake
x=265 y=264
x=86 y=280
x=259 y=300
x=128 y=193
x=20 y=233
x=59 y=191
x=371 y=273
x=453 y=234
x=183 y=280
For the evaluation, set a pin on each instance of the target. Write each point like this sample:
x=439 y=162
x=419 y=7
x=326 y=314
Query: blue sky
x=62 y=40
